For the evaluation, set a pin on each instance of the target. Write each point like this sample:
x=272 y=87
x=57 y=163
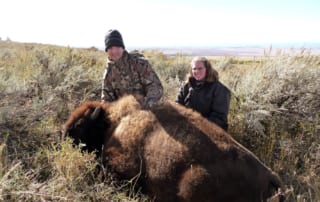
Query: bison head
x=92 y=127
x=85 y=129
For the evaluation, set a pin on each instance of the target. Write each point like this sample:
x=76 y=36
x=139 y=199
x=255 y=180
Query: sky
x=161 y=23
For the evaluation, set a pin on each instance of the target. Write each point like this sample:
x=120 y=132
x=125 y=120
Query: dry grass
x=274 y=112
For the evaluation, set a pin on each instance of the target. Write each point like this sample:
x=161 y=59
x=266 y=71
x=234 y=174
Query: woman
x=204 y=93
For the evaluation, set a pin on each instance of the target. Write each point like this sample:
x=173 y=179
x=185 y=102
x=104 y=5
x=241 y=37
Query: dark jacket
x=211 y=99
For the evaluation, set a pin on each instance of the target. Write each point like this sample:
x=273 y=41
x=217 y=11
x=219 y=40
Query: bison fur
x=176 y=154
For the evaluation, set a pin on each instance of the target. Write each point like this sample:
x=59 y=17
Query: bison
x=176 y=154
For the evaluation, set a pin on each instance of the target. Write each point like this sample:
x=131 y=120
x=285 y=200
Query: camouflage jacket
x=131 y=75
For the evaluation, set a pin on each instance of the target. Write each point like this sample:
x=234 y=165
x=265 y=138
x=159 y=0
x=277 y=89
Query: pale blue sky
x=161 y=23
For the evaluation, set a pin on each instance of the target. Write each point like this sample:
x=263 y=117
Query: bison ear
x=95 y=113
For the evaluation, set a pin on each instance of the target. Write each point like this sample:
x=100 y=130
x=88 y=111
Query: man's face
x=115 y=53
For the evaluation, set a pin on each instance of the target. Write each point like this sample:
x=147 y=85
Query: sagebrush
x=274 y=112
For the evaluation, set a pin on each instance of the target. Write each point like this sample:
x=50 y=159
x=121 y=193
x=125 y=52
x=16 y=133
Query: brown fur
x=175 y=154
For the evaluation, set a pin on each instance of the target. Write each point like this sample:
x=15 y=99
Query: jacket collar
x=196 y=84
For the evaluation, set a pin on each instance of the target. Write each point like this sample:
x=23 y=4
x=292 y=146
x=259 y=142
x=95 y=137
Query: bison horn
x=95 y=113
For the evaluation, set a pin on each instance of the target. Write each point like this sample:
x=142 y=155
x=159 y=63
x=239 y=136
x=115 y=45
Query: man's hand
x=149 y=102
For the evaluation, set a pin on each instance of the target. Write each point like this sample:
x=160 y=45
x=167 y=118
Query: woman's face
x=115 y=53
x=198 y=70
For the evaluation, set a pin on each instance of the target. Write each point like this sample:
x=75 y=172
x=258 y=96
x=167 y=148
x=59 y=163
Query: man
x=127 y=73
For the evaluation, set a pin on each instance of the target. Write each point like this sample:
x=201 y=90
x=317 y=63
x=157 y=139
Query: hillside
x=275 y=112
x=254 y=50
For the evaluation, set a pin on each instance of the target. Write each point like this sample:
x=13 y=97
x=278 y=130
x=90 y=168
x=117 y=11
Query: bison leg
x=192 y=186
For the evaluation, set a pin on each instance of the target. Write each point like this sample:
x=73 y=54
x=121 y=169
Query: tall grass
x=274 y=112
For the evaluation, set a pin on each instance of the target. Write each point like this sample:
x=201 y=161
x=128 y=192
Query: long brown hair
x=211 y=73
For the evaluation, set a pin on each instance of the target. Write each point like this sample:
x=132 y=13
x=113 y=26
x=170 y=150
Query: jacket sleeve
x=220 y=106
x=108 y=93
x=181 y=96
x=152 y=84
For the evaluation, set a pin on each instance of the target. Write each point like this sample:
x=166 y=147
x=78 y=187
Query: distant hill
x=250 y=50
x=244 y=50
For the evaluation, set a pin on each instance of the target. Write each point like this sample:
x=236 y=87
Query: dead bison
x=176 y=154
